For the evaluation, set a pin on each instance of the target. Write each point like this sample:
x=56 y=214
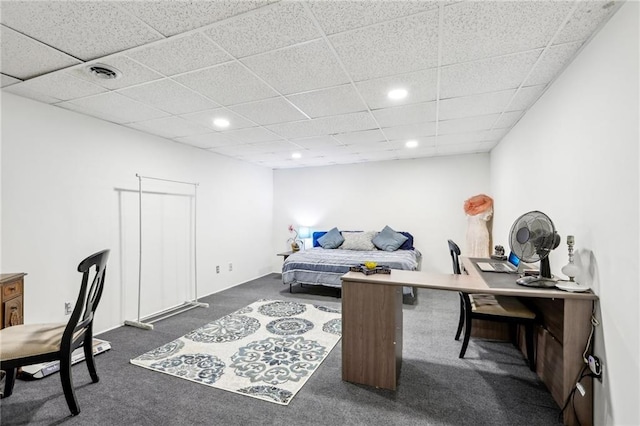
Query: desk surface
x=471 y=283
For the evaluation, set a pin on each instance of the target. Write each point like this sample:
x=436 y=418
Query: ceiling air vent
x=104 y=72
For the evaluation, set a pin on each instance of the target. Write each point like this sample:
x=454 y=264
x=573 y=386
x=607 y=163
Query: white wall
x=575 y=157
x=424 y=197
x=61 y=172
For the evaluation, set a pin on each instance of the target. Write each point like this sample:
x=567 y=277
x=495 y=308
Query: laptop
x=509 y=267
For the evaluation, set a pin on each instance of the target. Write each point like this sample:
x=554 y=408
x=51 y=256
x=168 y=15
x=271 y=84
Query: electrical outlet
x=595 y=366
x=67 y=308
x=230 y=266
x=217 y=269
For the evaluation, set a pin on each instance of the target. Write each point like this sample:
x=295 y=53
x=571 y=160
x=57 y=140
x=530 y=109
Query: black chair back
x=81 y=322
x=454 y=250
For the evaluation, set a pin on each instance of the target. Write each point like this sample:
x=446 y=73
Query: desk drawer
x=13 y=289
x=13 y=312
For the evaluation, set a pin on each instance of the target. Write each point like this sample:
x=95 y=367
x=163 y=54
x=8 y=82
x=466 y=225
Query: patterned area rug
x=267 y=350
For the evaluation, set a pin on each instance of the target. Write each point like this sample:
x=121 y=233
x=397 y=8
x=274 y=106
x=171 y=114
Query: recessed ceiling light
x=397 y=94
x=221 y=122
x=296 y=155
x=412 y=143
x=104 y=72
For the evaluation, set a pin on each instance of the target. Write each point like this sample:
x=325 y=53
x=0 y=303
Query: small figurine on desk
x=498 y=253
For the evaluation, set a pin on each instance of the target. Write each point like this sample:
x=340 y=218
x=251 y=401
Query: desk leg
x=371 y=334
x=577 y=326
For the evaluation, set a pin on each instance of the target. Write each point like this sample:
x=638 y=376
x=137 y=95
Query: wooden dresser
x=11 y=299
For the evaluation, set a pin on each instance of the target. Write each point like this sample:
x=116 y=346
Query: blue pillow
x=407 y=245
x=316 y=235
x=331 y=239
x=388 y=239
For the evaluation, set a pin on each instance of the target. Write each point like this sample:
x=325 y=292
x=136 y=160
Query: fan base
x=537 y=281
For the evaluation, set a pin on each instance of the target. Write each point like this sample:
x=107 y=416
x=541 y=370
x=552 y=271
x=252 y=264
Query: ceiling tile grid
x=310 y=77
x=180 y=54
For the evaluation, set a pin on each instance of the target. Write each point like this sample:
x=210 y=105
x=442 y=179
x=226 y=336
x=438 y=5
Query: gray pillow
x=358 y=241
x=331 y=239
x=388 y=239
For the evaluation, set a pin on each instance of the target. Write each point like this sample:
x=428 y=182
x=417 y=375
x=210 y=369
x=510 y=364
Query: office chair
x=36 y=343
x=492 y=308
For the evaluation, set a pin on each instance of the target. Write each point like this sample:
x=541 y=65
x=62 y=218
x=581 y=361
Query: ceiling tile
x=586 y=19
x=525 y=97
x=331 y=101
x=173 y=17
x=469 y=106
x=205 y=118
x=280 y=25
x=22 y=90
x=406 y=114
x=252 y=135
x=508 y=119
x=403 y=45
x=269 y=111
x=420 y=85
x=316 y=142
x=413 y=153
x=553 y=60
x=227 y=84
x=460 y=138
x=466 y=148
x=423 y=142
x=132 y=73
x=170 y=127
x=325 y=125
x=475 y=30
x=275 y=146
x=363 y=136
x=207 y=140
x=85 y=111
x=410 y=131
x=180 y=54
x=362 y=148
x=169 y=96
x=23 y=57
x=6 y=80
x=463 y=125
x=338 y=16
x=114 y=107
x=62 y=85
x=487 y=75
x=299 y=68
x=84 y=29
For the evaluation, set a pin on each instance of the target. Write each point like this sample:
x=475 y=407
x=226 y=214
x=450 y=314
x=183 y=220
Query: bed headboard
x=407 y=245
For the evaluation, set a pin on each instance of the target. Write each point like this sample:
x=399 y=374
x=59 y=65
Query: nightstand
x=285 y=254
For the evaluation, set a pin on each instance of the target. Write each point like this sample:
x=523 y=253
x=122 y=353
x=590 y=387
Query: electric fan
x=532 y=238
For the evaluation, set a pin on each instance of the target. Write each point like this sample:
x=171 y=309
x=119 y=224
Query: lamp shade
x=304 y=232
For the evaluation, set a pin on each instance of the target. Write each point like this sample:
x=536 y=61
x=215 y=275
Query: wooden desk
x=11 y=299
x=372 y=329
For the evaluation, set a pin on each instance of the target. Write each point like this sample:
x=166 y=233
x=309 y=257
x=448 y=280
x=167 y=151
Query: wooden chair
x=493 y=308
x=37 y=343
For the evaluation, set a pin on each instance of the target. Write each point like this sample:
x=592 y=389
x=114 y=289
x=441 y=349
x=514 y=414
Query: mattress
x=318 y=266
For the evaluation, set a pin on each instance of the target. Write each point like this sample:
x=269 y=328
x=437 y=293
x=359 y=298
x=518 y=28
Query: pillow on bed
x=407 y=245
x=358 y=241
x=389 y=240
x=331 y=239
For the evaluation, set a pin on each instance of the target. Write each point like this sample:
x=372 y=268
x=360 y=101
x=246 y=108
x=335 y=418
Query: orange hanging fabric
x=477 y=204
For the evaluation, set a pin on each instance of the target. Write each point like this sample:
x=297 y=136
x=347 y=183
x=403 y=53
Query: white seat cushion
x=21 y=341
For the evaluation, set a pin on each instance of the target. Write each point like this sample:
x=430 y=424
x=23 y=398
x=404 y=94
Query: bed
x=318 y=266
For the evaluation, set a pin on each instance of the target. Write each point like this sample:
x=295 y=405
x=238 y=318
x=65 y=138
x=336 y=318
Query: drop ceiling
x=304 y=77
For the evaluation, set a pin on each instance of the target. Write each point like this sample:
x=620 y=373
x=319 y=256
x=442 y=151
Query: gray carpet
x=491 y=386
